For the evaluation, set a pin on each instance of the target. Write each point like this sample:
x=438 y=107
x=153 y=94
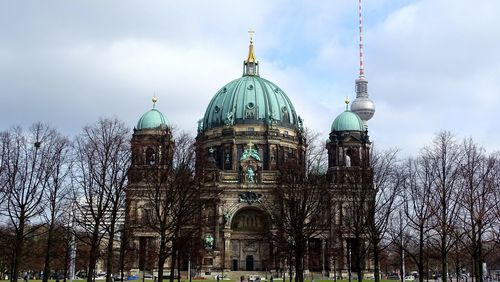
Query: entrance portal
x=249 y=264
x=234 y=265
x=247 y=248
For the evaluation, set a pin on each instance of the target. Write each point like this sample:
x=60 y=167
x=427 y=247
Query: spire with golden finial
x=154 y=100
x=251 y=65
x=346 y=101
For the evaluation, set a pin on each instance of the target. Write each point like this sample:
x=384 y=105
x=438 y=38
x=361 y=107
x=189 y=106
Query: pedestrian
x=218 y=277
x=242 y=278
x=25 y=277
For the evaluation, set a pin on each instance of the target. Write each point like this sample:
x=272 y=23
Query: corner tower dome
x=152 y=119
x=250 y=99
x=348 y=121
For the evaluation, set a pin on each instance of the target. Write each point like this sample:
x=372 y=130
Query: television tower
x=362 y=105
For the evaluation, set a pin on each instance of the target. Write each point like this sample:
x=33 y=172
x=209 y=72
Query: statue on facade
x=250 y=175
x=200 y=125
x=208 y=242
x=272 y=120
x=226 y=217
x=347 y=161
x=229 y=119
x=250 y=151
x=300 y=124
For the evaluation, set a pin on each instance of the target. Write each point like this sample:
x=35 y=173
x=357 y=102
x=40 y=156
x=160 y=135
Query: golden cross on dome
x=346 y=101
x=251 y=31
x=154 y=100
x=250 y=145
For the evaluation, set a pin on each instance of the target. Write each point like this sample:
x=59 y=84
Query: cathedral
x=249 y=130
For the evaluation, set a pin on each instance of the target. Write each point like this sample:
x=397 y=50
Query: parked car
x=393 y=276
x=256 y=278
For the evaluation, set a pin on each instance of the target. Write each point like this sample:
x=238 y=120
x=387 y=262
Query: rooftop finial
x=251 y=55
x=346 y=101
x=154 y=100
x=361 y=66
x=251 y=65
x=251 y=32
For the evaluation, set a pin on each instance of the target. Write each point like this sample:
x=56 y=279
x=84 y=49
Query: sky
x=431 y=64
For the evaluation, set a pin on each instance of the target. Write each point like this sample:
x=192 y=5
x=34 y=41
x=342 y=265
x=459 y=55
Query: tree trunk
x=46 y=268
x=110 y=255
x=161 y=258
x=421 y=255
x=18 y=249
x=179 y=268
x=444 y=259
x=376 y=259
x=123 y=246
x=94 y=248
x=478 y=259
x=67 y=256
x=299 y=264
x=172 y=263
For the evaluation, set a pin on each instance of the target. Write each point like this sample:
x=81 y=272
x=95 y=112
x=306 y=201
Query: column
x=227 y=250
x=236 y=162
x=323 y=251
x=306 y=259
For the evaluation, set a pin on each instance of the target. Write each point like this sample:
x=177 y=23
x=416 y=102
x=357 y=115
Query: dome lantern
x=152 y=119
x=251 y=65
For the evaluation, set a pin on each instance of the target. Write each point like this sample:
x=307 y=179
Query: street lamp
x=349 y=260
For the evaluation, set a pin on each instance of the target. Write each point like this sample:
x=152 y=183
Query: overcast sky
x=431 y=64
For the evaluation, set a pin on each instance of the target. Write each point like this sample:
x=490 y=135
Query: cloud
x=430 y=64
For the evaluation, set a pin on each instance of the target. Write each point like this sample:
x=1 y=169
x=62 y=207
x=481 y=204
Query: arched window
x=150 y=157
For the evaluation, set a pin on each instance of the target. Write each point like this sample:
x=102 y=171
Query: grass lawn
x=204 y=280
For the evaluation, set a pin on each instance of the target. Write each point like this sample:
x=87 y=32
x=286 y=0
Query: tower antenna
x=361 y=66
x=362 y=105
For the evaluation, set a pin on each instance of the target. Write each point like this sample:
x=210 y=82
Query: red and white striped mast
x=361 y=67
x=362 y=105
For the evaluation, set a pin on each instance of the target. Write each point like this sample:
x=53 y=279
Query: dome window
x=216 y=109
x=224 y=90
x=284 y=109
x=276 y=90
x=250 y=87
x=250 y=106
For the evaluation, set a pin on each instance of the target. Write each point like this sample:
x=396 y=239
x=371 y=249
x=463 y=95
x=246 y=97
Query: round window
x=216 y=109
x=250 y=87
x=250 y=105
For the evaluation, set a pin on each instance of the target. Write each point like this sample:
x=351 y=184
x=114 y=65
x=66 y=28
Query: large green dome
x=348 y=121
x=250 y=100
x=152 y=119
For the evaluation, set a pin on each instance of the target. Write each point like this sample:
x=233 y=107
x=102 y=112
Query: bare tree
x=445 y=159
x=477 y=202
x=296 y=208
x=27 y=163
x=388 y=182
x=56 y=196
x=316 y=156
x=417 y=193
x=102 y=152
x=357 y=213
x=172 y=200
